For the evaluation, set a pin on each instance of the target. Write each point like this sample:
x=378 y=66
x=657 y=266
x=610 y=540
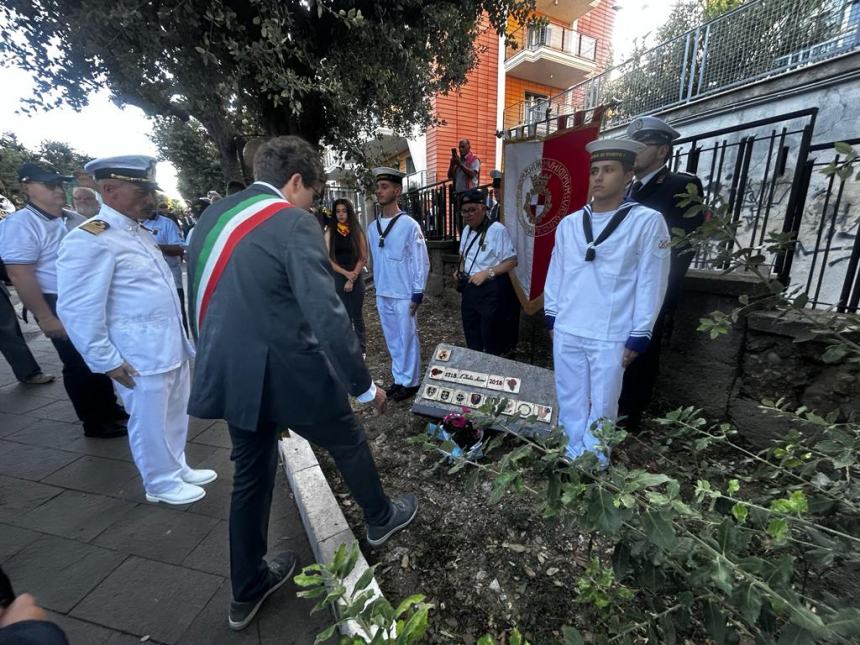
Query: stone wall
x=758 y=359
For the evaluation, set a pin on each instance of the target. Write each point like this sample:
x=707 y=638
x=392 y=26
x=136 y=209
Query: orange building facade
x=512 y=86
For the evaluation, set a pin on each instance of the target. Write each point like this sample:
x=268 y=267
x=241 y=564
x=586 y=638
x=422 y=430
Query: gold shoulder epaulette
x=95 y=226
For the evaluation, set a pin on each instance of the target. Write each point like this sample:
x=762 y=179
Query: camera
x=462 y=281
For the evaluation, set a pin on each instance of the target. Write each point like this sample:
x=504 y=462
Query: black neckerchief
x=382 y=234
x=482 y=230
x=616 y=220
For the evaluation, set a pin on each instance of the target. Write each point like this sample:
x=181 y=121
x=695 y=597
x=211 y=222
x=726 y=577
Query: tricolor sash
x=221 y=241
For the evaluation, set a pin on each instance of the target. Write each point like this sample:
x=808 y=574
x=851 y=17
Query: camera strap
x=483 y=234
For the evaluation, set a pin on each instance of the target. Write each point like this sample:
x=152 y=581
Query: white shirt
x=400 y=268
x=644 y=180
x=117 y=299
x=618 y=295
x=31 y=236
x=166 y=232
x=497 y=248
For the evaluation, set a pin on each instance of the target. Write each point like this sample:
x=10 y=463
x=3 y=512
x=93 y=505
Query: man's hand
x=551 y=335
x=123 y=375
x=23 y=608
x=413 y=308
x=348 y=286
x=480 y=278
x=52 y=327
x=380 y=400
x=629 y=357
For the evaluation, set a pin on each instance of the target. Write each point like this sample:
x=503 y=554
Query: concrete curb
x=324 y=522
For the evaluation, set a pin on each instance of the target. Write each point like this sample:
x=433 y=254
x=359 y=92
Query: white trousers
x=158 y=426
x=401 y=336
x=588 y=378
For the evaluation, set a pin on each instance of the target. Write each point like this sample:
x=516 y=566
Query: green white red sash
x=221 y=241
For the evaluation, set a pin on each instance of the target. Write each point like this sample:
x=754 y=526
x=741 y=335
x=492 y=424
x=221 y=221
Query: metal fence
x=760 y=39
x=828 y=248
x=768 y=176
x=436 y=208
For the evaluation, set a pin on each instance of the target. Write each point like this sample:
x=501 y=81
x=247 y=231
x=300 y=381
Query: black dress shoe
x=393 y=389
x=404 y=393
x=109 y=430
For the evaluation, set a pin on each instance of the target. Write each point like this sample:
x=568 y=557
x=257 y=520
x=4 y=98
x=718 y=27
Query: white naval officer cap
x=650 y=129
x=623 y=150
x=138 y=169
x=384 y=173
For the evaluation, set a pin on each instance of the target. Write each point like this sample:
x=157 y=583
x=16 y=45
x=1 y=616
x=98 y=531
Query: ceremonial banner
x=544 y=181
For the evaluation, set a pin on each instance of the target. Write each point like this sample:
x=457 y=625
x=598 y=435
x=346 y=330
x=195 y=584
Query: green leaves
x=659 y=530
x=602 y=513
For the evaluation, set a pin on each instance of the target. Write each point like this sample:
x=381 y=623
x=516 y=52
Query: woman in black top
x=347 y=247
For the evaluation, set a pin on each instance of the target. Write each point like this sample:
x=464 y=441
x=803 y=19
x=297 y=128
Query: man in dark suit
x=276 y=350
x=658 y=188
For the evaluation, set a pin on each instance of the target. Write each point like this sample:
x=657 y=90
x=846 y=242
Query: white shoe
x=183 y=494
x=199 y=477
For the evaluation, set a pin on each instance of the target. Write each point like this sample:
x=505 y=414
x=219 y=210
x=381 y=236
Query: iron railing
x=758 y=40
x=436 y=208
x=552 y=36
x=828 y=247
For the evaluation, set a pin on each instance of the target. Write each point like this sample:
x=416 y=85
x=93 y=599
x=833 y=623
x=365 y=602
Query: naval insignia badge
x=95 y=226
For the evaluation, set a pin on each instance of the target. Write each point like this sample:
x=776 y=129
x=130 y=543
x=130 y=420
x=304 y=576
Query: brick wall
x=469 y=113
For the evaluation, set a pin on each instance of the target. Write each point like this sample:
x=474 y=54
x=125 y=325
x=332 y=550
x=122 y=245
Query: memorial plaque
x=458 y=378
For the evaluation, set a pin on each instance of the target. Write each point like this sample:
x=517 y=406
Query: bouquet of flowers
x=455 y=427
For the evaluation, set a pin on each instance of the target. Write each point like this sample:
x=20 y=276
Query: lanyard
x=483 y=231
x=382 y=234
x=616 y=220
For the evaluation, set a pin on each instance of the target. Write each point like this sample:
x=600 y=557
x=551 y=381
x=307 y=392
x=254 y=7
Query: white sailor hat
x=650 y=129
x=138 y=169
x=623 y=150
x=388 y=174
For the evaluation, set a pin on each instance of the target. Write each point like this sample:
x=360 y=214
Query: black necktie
x=637 y=186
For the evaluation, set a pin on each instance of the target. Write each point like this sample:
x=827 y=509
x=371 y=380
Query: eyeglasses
x=470 y=211
x=318 y=194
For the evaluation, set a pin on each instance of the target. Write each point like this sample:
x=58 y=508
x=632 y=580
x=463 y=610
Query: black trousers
x=91 y=394
x=181 y=292
x=255 y=458
x=641 y=376
x=485 y=312
x=12 y=344
x=354 y=303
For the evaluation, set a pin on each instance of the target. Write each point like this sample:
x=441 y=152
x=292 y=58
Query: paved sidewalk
x=76 y=532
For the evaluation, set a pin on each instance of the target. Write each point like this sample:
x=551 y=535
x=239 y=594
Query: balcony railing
x=758 y=40
x=554 y=37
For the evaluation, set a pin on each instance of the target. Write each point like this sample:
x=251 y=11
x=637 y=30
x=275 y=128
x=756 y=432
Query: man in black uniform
x=658 y=188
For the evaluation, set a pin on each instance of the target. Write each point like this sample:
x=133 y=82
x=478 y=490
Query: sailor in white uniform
x=400 y=269
x=118 y=302
x=605 y=286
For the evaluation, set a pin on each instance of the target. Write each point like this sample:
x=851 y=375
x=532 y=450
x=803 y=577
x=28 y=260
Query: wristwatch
x=492 y=272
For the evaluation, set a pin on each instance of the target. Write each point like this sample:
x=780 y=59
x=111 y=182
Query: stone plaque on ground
x=458 y=378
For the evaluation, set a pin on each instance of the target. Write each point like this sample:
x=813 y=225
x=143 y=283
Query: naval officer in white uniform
x=400 y=269
x=119 y=304
x=606 y=283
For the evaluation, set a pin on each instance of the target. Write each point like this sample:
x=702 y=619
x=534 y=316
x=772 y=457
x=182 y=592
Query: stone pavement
x=110 y=568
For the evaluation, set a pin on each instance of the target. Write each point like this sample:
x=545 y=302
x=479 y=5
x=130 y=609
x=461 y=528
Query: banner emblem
x=538 y=216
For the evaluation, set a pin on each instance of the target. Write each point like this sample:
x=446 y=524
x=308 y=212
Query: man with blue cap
x=605 y=286
x=29 y=243
x=120 y=307
x=400 y=269
x=657 y=187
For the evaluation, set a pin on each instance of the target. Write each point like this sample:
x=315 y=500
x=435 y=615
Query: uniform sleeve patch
x=95 y=226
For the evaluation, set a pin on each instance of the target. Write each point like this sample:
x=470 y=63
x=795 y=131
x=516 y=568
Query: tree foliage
x=187 y=146
x=55 y=154
x=330 y=70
